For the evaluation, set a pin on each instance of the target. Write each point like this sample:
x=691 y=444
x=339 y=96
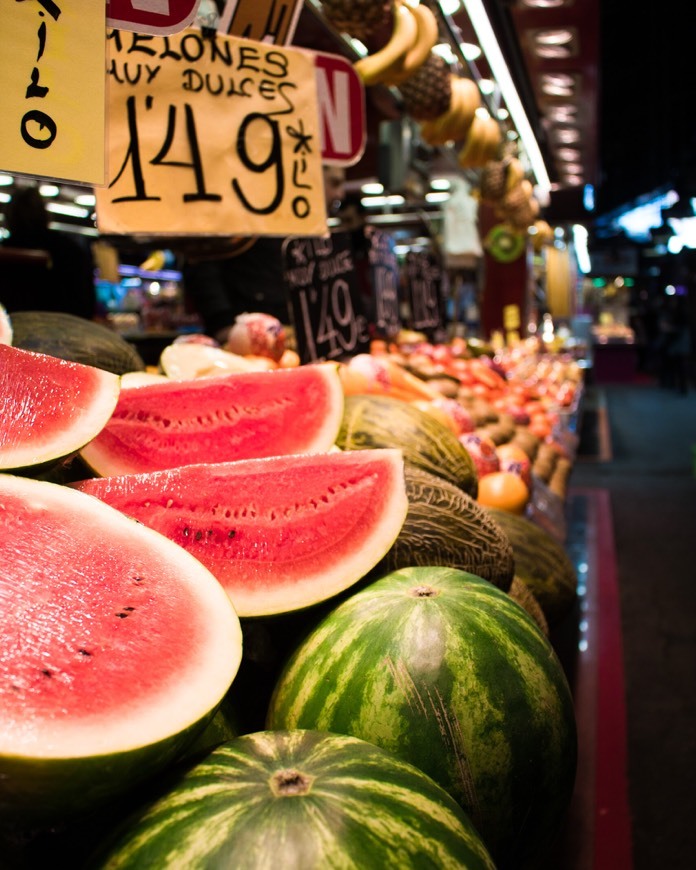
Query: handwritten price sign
x=325 y=299
x=384 y=277
x=423 y=275
x=210 y=135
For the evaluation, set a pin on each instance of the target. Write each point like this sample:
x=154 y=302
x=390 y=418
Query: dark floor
x=639 y=444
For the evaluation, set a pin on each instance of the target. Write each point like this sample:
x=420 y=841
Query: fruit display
x=450 y=674
x=227 y=558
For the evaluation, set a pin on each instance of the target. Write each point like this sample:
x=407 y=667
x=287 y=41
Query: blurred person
x=249 y=278
x=41 y=268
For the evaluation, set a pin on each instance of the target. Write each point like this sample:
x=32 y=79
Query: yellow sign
x=210 y=135
x=52 y=89
x=511 y=317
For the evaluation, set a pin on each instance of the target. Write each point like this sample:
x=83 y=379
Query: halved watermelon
x=49 y=407
x=220 y=419
x=117 y=649
x=279 y=533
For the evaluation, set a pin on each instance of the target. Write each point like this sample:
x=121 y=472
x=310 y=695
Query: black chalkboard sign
x=384 y=281
x=423 y=281
x=324 y=298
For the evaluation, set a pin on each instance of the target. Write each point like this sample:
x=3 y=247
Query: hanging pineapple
x=359 y=18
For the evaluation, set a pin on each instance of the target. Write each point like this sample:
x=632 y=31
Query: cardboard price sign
x=52 y=57
x=271 y=21
x=384 y=280
x=213 y=135
x=324 y=298
x=423 y=275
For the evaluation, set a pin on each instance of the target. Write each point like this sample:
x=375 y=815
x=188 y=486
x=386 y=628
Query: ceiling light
x=546 y=4
x=562 y=114
x=470 y=51
x=6 y=180
x=378 y=201
x=440 y=183
x=372 y=188
x=502 y=114
x=85 y=199
x=568 y=154
x=444 y=49
x=49 y=190
x=566 y=135
x=437 y=196
x=499 y=68
x=449 y=7
x=574 y=168
x=558 y=84
x=5 y=197
x=70 y=210
x=486 y=86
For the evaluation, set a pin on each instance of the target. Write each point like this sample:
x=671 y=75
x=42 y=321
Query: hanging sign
x=210 y=135
x=151 y=16
x=341 y=97
x=324 y=298
x=383 y=275
x=271 y=21
x=52 y=55
x=423 y=278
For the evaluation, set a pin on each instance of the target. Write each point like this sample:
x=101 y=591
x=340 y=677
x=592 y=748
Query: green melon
x=445 y=526
x=302 y=800
x=219 y=419
x=541 y=562
x=382 y=421
x=117 y=649
x=74 y=338
x=280 y=533
x=446 y=671
x=49 y=408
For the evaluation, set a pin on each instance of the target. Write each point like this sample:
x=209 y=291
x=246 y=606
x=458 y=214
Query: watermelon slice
x=117 y=648
x=49 y=407
x=220 y=419
x=279 y=533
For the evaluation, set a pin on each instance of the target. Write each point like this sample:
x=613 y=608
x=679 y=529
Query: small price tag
x=384 y=281
x=211 y=135
x=423 y=277
x=324 y=298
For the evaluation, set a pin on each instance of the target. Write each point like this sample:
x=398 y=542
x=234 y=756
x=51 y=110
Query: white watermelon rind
x=66 y=764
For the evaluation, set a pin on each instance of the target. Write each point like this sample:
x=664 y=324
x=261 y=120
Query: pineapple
x=493 y=181
x=359 y=18
x=428 y=92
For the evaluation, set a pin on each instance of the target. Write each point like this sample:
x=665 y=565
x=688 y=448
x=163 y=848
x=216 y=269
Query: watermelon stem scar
x=424 y=592
x=290 y=783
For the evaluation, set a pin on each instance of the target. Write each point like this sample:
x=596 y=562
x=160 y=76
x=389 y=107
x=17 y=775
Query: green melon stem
x=290 y=783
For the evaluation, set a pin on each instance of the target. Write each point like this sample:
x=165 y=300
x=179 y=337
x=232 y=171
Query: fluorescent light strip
x=501 y=73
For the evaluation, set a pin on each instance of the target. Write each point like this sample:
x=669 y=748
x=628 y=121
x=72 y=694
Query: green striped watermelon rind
x=51 y=408
x=58 y=761
x=446 y=671
x=300 y=799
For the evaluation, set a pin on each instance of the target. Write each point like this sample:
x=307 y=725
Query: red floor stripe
x=611 y=822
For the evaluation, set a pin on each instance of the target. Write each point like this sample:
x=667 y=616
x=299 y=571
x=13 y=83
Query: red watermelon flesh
x=279 y=533
x=49 y=407
x=114 y=646
x=220 y=419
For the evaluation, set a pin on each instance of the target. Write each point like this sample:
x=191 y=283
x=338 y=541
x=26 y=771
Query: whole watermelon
x=300 y=800
x=445 y=670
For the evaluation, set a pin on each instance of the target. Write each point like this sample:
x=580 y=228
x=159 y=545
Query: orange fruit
x=504 y=490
